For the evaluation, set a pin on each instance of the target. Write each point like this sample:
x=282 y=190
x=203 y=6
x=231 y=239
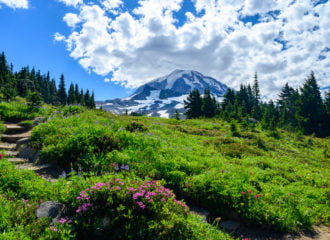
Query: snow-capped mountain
x=162 y=96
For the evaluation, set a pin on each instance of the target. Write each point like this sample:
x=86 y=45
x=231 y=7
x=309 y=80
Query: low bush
x=16 y=111
x=116 y=206
x=136 y=126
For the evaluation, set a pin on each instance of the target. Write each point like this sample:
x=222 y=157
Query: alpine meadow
x=164 y=120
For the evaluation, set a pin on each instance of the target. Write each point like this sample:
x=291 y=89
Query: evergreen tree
x=269 y=116
x=288 y=103
x=62 y=96
x=256 y=111
x=327 y=118
x=209 y=107
x=71 y=95
x=193 y=105
x=92 y=101
x=312 y=108
x=82 y=98
x=177 y=115
x=76 y=94
x=53 y=95
x=87 y=99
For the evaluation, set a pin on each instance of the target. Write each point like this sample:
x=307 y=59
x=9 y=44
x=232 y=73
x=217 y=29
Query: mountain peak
x=164 y=95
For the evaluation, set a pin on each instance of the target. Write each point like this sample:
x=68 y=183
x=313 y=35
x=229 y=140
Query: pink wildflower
x=141 y=205
x=1 y=156
x=250 y=191
x=243 y=193
x=257 y=196
x=52 y=229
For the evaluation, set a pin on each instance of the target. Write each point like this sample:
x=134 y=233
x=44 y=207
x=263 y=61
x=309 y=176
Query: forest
x=34 y=85
x=300 y=110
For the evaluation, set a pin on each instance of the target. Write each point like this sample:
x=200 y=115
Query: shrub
x=136 y=126
x=16 y=111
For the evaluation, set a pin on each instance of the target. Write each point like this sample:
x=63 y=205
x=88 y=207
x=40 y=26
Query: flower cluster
x=147 y=192
x=83 y=207
x=1 y=155
x=151 y=191
x=119 y=167
x=65 y=220
x=250 y=192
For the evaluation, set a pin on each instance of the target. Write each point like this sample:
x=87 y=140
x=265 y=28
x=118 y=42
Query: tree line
x=301 y=109
x=29 y=83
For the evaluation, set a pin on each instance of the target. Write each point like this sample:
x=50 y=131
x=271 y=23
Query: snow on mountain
x=164 y=95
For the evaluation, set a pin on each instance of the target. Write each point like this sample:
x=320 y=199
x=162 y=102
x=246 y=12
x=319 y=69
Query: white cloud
x=112 y=5
x=59 y=37
x=146 y=42
x=15 y=3
x=71 y=19
x=73 y=3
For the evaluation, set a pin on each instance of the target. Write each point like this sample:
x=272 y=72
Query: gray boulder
x=52 y=210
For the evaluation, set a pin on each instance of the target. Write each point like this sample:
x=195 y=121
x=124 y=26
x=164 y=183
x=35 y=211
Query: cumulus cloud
x=133 y=46
x=15 y=3
x=73 y=3
x=71 y=19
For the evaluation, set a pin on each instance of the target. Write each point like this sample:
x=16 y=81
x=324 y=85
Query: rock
x=52 y=210
x=229 y=225
x=14 y=129
x=27 y=152
x=38 y=120
x=253 y=120
x=106 y=222
x=22 y=141
x=200 y=211
x=230 y=214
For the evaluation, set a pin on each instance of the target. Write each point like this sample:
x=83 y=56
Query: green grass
x=276 y=179
x=21 y=191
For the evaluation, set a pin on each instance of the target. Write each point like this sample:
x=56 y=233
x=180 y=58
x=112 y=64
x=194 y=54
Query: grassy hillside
x=276 y=179
x=273 y=178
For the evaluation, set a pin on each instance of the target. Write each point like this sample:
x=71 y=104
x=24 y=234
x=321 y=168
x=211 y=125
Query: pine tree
x=71 y=95
x=76 y=94
x=193 y=105
x=177 y=115
x=256 y=112
x=62 y=96
x=209 y=107
x=53 y=99
x=92 y=101
x=312 y=108
x=269 y=117
x=87 y=99
x=327 y=117
x=288 y=104
x=82 y=98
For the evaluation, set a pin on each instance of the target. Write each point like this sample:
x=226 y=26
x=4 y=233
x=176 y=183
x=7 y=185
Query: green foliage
x=136 y=126
x=193 y=104
x=203 y=161
x=27 y=81
x=108 y=207
x=34 y=100
x=15 y=111
x=2 y=127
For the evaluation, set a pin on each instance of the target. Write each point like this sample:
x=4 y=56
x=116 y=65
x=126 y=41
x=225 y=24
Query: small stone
x=49 y=209
x=229 y=225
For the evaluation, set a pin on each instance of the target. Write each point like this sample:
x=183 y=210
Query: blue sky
x=114 y=46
